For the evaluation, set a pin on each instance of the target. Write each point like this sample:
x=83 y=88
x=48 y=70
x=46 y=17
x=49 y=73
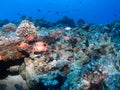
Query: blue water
x=93 y=11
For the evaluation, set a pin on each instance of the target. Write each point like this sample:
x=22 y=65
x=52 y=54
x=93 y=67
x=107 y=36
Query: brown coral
x=26 y=29
x=10 y=52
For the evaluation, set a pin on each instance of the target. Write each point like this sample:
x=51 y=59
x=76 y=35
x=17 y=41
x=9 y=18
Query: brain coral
x=26 y=29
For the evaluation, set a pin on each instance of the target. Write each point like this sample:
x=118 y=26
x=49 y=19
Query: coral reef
x=10 y=52
x=9 y=27
x=11 y=81
x=25 y=29
x=66 y=21
x=72 y=56
x=111 y=82
x=43 y=23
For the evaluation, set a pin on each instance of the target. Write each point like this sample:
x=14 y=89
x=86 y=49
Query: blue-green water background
x=93 y=11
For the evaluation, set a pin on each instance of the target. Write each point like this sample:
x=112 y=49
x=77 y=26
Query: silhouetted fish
x=38 y=10
x=23 y=17
x=49 y=11
x=75 y=10
x=57 y=12
x=80 y=2
x=18 y=13
x=114 y=15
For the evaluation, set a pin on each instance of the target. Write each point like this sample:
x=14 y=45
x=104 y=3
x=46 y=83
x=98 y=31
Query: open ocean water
x=100 y=11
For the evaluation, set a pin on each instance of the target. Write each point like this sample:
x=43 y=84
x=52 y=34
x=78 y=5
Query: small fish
x=57 y=12
x=18 y=13
x=37 y=56
x=114 y=15
x=80 y=2
x=68 y=28
x=49 y=11
x=75 y=10
x=38 y=10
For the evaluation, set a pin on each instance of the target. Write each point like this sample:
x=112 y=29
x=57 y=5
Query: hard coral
x=10 y=52
x=9 y=27
x=31 y=38
x=26 y=29
x=67 y=38
x=40 y=47
x=56 y=33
